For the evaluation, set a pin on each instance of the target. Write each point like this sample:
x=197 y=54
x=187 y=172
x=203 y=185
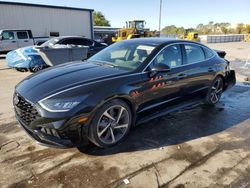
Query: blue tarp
x=24 y=58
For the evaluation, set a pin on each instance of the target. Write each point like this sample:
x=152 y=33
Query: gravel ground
x=199 y=147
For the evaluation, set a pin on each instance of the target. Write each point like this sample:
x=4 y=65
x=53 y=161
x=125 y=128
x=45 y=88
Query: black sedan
x=126 y=84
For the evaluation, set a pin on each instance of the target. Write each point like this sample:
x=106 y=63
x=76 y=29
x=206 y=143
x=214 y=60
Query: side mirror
x=159 y=67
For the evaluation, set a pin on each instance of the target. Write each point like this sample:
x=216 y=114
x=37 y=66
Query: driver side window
x=170 y=56
x=8 y=35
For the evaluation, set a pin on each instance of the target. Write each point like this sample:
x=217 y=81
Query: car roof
x=157 y=41
x=67 y=37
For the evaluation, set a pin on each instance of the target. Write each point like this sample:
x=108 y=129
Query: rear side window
x=76 y=41
x=208 y=53
x=22 y=35
x=194 y=53
x=8 y=35
x=86 y=42
x=97 y=44
x=70 y=42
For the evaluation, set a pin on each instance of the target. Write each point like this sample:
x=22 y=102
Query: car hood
x=58 y=78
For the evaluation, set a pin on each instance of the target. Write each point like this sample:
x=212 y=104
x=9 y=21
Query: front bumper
x=46 y=139
x=57 y=132
x=73 y=135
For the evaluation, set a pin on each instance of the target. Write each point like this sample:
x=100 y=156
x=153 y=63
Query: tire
x=106 y=128
x=21 y=69
x=36 y=68
x=215 y=91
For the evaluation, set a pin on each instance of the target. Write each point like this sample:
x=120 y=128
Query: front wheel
x=111 y=124
x=215 y=91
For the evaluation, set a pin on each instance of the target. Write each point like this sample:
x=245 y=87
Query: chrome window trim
x=179 y=43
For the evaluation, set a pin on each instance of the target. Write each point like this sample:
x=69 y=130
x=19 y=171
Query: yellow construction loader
x=193 y=36
x=133 y=29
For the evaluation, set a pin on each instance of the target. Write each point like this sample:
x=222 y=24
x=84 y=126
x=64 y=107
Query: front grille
x=24 y=110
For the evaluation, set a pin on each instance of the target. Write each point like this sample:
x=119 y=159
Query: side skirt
x=172 y=109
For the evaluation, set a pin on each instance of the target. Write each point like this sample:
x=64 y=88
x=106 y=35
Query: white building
x=46 y=21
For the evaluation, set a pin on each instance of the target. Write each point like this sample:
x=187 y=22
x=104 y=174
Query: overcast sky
x=187 y=13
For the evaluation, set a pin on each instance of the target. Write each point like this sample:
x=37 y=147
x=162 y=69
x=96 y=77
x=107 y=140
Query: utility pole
x=160 y=17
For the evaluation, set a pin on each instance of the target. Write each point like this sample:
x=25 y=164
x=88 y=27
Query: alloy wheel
x=37 y=68
x=113 y=124
x=216 y=91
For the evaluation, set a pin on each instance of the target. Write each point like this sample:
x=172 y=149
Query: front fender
x=102 y=93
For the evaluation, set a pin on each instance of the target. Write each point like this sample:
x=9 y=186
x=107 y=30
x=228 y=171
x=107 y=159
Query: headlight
x=60 y=105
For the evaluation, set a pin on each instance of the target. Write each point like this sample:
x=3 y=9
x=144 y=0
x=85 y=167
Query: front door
x=165 y=88
x=9 y=41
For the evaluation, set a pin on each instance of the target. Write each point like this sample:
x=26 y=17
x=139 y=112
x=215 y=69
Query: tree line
x=203 y=29
x=210 y=28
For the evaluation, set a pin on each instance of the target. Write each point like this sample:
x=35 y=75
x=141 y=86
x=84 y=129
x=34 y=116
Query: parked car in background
x=14 y=39
x=94 y=46
x=127 y=83
x=28 y=58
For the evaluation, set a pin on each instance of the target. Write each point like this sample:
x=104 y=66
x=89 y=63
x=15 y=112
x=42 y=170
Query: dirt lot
x=236 y=51
x=199 y=147
x=239 y=55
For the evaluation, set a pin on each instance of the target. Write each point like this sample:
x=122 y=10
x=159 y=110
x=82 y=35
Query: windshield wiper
x=110 y=64
x=104 y=63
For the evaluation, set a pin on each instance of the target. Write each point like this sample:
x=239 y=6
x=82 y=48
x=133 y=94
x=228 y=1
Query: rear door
x=199 y=70
x=9 y=41
x=23 y=39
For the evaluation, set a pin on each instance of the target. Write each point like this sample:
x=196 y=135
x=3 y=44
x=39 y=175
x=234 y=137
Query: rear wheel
x=215 y=92
x=111 y=124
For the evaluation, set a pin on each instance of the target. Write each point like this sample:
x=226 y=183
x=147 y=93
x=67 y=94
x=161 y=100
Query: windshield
x=50 y=42
x=139 y=25
x=124 y=55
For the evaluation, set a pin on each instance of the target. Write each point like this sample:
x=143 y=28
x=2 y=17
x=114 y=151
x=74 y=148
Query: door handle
x=13 y=41
x=26 y=41
x=210 y=69
x=181 y=76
